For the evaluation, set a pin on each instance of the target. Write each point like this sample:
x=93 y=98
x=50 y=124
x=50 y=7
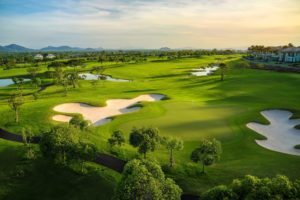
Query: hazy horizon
x=144 y=24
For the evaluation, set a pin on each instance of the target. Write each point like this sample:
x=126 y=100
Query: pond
x=8 y=81
x=89 y=76
x=204 y=71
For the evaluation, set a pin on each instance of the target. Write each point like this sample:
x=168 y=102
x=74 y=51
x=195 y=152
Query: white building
x=277 y=54
x=291 y=54
x=38 y=57
x=50 y=56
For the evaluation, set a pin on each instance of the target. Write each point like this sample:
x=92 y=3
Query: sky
x=129 y=24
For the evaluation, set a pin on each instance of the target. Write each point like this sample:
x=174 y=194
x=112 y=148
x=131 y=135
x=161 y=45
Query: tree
x=146 y=139
x=254 y=188
x=37 y=82
x=79 y=122
x=143 y=180
x=27 y=139
x=33 y=71
x=59 y=75
x=222 y=67
x=83 y=152
x=65 y=82
x=172 y=144
x=117 y=138
x=19 y=82
x=60 y=144
x=221 y=192
x=207 y=153
x=73 y=78
x=15 y=102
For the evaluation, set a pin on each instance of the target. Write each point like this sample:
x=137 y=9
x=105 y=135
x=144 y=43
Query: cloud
x=150 y=24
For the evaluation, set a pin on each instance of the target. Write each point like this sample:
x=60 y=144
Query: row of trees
x=266 y=49
x=147 y=140
x=10 y=60
x=142 y=179
x=254 y=188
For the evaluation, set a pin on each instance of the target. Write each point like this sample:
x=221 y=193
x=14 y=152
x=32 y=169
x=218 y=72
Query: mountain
x=18 y=48
x=61 y=48
x=68 y=48
x=165 y=49
x=14 y=48
x=2 y=49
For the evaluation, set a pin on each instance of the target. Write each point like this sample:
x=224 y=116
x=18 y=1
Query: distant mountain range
x=165 y=49
x=18 y=48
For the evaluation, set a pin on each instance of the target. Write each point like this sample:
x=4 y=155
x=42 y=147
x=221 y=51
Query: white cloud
x=151 y=24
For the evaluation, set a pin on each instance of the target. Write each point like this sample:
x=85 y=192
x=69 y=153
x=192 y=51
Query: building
x=291 y=54
x=38 y=57
x=50 y=56
x=276 y=54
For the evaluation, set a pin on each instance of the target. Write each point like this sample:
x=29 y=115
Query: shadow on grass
x=46 y=181
x=143 y=90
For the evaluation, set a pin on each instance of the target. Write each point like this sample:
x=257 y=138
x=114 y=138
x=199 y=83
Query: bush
x=79 y=122
x=254 y=188
x=297 y=146
x=221 y=192
x=143 y=179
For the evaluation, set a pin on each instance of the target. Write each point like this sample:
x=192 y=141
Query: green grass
x=197 y=107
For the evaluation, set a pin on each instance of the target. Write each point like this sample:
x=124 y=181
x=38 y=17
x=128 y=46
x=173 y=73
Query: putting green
x=190 y=121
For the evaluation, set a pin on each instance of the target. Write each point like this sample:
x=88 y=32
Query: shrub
x=221 y=192
x=79 y=122
x=297 y=146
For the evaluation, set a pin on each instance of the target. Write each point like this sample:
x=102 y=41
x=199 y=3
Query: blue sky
x=150 y=23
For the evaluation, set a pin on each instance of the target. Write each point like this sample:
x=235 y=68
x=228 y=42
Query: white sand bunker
x=281 y=134
x=205 y=71
x=101 y=115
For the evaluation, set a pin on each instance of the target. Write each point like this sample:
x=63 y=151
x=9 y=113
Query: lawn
x=197 y=107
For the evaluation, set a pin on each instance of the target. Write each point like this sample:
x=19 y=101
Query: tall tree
x=79 y=122
x=116 y=139
x=223 y=68
x=60 y=143
x=208 y=152
x=15 y=102
x=27 y=139
x=172 y=144
x=19 y=82
x=73 y=78
x=144 y=180
x=146 y=139
x=83 y=152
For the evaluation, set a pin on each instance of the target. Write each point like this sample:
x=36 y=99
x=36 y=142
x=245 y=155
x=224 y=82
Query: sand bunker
x=102 y=115
x=205 y=71
x=281 y=134
x=89 y=76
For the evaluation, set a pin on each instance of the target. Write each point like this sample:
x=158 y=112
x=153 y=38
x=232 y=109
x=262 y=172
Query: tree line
x=10 y=60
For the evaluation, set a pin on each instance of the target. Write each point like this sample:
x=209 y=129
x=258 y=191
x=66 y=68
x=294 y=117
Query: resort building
x=276 y=54
x=50 y=56
x=291 y=54
x=38 y=57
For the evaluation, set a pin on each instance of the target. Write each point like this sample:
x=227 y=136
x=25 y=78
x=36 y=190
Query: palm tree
x=222 y=67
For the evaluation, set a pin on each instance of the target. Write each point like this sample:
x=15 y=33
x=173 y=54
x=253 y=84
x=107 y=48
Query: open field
x=197 y=107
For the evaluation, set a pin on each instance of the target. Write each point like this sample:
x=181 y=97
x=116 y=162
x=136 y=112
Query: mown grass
x=197 y=107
